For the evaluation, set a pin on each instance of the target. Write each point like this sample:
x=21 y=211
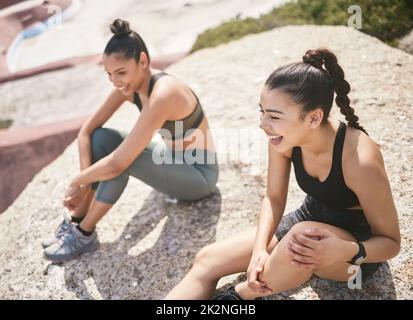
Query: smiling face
x=281 y=121
x=125 y=74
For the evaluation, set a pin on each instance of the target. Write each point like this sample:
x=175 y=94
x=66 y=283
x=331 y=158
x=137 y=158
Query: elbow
x=86 y=130
x=394 y=250
x=397 y=248
x=116 y=166
x=397 y=244
x=82 y=134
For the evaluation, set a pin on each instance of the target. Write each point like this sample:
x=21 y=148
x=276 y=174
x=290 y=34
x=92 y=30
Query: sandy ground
x=148 y=243
x=166 y=26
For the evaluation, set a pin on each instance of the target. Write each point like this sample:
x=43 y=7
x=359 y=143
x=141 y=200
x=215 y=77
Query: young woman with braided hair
x=348 y=216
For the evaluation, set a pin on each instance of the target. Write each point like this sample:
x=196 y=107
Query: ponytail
x=317 y=58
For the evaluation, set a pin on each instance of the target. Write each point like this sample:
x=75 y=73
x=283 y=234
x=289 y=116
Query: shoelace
x=67 y=237
x=64 y=227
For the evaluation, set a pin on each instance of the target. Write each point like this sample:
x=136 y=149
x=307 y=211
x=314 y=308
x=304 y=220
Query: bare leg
x=280 y=275
x=84 y=206
x=215 y=261
x=96 y=212
x=233 y=255
x=91 y=209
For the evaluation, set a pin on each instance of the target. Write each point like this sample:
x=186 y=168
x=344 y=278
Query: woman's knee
x=103 y=142
x=298 y=228
x=207 y=263
x=302 y=226
x=204 y=257
x=99 y=135
x=97 y=141
x=282 y=248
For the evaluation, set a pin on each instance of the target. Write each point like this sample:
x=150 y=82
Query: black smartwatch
x=360 y=257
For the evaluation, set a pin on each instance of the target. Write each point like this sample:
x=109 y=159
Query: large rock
x=149 y=243
x=406 y=43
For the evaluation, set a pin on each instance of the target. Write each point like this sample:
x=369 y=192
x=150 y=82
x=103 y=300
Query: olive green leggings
x=178 y=175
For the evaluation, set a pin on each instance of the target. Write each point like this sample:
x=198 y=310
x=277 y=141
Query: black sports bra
x=177 y=128
x=332 y=191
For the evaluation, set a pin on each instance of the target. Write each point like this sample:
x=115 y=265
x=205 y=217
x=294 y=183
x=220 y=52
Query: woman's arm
x=150 y=119
x=272 y=209
x=273 y=204
x=368 y=179
x=74 y=196
x=112 y=103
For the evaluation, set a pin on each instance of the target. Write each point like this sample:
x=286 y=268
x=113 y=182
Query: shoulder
x=167 y=91
x=362 y=157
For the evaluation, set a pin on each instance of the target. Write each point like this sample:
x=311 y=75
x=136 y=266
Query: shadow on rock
x=379 y=286
x=155 y=249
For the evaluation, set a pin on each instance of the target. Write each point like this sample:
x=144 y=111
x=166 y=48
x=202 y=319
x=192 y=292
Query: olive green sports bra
x=191 y=121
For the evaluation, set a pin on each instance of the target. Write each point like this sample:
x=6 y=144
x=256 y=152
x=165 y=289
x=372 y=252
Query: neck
x=144 y=86
x=322 y=139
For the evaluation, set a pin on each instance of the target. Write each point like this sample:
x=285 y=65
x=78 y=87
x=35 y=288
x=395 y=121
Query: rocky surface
x=148 y=242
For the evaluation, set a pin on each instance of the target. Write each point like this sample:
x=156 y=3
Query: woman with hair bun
x=183 y=165
x=348 y=222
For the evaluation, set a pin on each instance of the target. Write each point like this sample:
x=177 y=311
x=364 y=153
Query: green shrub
x=5 y=123
x=228 y=31
x=384 y=19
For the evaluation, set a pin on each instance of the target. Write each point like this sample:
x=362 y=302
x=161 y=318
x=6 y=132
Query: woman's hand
x=316 y=248
x=255 y=268
x=73 y=196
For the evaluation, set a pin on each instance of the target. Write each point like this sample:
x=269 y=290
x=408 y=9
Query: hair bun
x=314 y=58
x=120 y=28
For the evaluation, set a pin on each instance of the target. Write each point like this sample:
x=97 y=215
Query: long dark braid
x=317 y=58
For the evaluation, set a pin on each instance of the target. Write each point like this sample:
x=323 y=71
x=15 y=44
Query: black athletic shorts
x=353 y=221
